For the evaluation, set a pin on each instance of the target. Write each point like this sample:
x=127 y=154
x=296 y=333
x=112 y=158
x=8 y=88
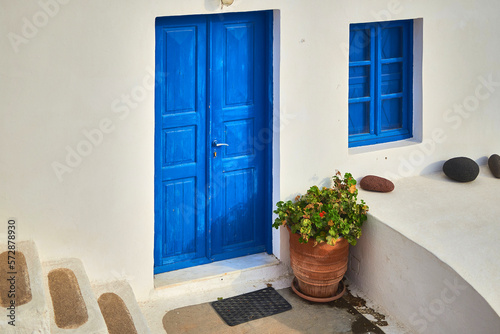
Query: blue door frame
x=213 y=83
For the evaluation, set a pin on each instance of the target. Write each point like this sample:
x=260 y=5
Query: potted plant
x=322 y=223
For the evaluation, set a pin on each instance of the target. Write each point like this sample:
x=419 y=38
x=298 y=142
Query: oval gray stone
x=461 y=169
x=494 y=164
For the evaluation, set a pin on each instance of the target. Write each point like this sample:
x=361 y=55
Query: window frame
x=376 y=134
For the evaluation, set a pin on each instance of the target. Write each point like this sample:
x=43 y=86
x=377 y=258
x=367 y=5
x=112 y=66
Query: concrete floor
x=305 y=317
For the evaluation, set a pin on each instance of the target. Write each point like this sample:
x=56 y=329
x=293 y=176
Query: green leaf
x=343 y=215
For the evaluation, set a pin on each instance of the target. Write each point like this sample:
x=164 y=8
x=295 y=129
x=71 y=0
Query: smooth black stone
x=494 y=164
x=461 y=169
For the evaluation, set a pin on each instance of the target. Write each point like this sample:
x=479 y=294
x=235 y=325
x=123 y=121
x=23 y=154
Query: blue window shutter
x=361 y=74
x=380 y=82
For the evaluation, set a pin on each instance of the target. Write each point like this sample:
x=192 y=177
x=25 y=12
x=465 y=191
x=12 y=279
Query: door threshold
x=208 y=271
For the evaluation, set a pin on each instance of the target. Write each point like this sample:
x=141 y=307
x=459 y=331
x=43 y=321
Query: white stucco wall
x=88 y=64
x=415 y=286
x=420 y=239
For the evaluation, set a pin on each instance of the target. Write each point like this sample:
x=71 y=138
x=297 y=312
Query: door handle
x=217 y=144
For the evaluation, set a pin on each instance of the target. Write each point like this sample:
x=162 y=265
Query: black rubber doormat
x=251 y=306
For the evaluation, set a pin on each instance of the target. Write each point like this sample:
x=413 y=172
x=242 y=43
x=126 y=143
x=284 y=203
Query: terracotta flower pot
x=318 y=269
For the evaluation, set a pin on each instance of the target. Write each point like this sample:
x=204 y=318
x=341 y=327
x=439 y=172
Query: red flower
x=321 y=214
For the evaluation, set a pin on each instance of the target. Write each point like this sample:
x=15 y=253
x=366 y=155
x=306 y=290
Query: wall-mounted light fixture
x=226 y=2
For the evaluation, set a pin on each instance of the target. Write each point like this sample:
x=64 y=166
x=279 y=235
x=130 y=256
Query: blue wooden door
x=212 y=139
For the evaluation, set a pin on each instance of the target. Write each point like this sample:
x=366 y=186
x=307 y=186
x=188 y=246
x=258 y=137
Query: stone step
x=119 y=308
x=72 y=305
x=206 y=283
x=31 y=314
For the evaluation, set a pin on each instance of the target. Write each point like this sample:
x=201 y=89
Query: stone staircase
x=57 y=297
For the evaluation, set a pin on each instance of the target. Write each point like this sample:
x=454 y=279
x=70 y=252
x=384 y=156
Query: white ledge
x=457 y=222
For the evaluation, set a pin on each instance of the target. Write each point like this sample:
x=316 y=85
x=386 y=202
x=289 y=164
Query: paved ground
x=305 y=317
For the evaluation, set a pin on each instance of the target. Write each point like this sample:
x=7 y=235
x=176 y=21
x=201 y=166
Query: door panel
x=211 y=84
x=181 y=66
x=237 y=116
x=180 y=136
x=239 y=208
x=180 y=200
x=239 y=63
